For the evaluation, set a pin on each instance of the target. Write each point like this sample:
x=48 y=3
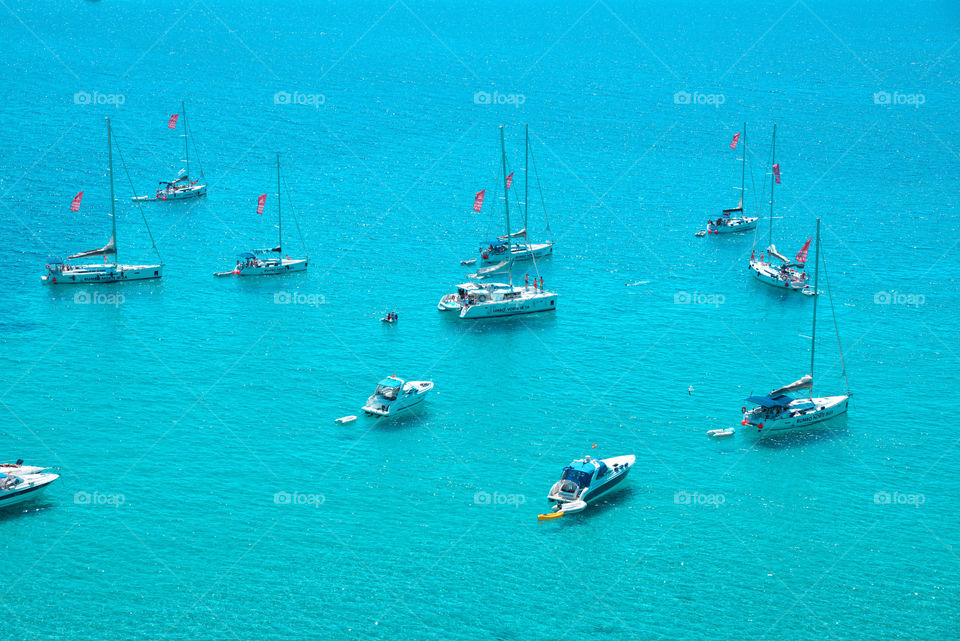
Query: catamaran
x=182 y=186
x=779 y=412
x=507 y=247
x=733 y=220
x=59 y=272
x=498 y=299
x=778 y=270
x=261 y=262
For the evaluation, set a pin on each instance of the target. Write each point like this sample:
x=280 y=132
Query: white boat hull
x=413 y=393
x=733 y=225
x=82 y=274
x=194 y=191
x=285 y=266
x=782 y=279
x=520 y=252
x=825 y=408
x=528 y=304
x=32 y=487
x=619 y=467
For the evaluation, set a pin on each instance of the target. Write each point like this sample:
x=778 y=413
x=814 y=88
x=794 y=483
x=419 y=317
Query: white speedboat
x=16 y=488
x=508 y=302
x=395 y=394
x=778 y=411
x=59 y=272
x=20 y=469
x=456 y=301
x=585 y=480
x=182 y=186
x=733 y=220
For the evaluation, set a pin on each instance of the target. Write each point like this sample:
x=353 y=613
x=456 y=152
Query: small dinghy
x=346 y=419
x=471 y=261
x=721 y=433
x=390 y=318
x=701 y=233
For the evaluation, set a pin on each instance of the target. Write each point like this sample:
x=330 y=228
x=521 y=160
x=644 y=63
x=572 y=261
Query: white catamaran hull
x=824 y=408
x=79 y=274
x=542 y=302
x=179 y=194
x=775 y=277
x=733 y=225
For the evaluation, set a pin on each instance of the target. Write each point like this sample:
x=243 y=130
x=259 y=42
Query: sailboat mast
x=186 y=145
x=773 y=161
x=816 y=295
x=279 y=217
x=743 y=169
x=506 y=204
x=526 y=179
x=113 y=206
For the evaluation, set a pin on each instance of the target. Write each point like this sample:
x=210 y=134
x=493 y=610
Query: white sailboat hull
x=824 y=408
x=194 y=191
x=733 y=225
x=780 y=278
x=285 y=266
x=520 y=252
x=82 y=274
x=527 y=304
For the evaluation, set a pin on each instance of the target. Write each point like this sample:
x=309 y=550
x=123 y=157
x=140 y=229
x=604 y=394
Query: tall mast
x=773 y=161
x=816 y=295
x=279 y=217
x=113 y=207
x=186 y=145
x=506 y=204
x=526 y=180
x=743 y=170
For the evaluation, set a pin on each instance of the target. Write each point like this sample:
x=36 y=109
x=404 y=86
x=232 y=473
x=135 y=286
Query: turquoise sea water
x=184 y=417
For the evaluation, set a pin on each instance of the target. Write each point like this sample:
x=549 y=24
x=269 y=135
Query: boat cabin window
x=582 y=479
x=387 y=392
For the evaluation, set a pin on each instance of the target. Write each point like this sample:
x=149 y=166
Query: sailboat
x=60 y=272
x=778 y=270
x=733 y=220
x=497 y=299
x=779 y=412
x=495 y=252
x=261 y=262
x=180 y=187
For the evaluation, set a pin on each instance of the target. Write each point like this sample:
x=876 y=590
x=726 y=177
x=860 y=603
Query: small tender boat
x=394 y=394
x=390 y=318
x=729 y=431
x=16 y=488
x=346 y=419
x=584 y=480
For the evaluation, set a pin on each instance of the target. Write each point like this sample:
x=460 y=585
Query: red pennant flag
x=509 y=180
x=260 y=202
x=173 y=121
x=776 y=172
x=478 y=200
x=802 y=254
x=75 y=205
x=736 y=139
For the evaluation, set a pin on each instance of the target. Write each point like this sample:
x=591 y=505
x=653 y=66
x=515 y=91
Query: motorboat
x=585 y=480
x=394 y=394
x=20 y=469
x=16 y=488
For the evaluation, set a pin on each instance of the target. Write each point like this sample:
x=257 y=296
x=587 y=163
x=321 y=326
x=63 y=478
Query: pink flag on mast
x=260 y=202
x=75 y=205
x=509 y=180
x=478 y=200
x=776 y=172
x=802 y=254
x=736 y=139
x=173 y=121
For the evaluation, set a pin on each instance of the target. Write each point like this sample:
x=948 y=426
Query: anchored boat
x=733 y=220
x=585 y=480
x=180 y=187
x=395 y=394
x=16 y=488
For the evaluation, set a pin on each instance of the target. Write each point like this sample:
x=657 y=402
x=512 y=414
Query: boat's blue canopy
x=54 y=261
x=495 y=242
x=390 y=382
x=246 y=256
x=770 y=401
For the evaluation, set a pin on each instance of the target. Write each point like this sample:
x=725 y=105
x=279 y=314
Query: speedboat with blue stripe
x=16 y=488
x=585 y=480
